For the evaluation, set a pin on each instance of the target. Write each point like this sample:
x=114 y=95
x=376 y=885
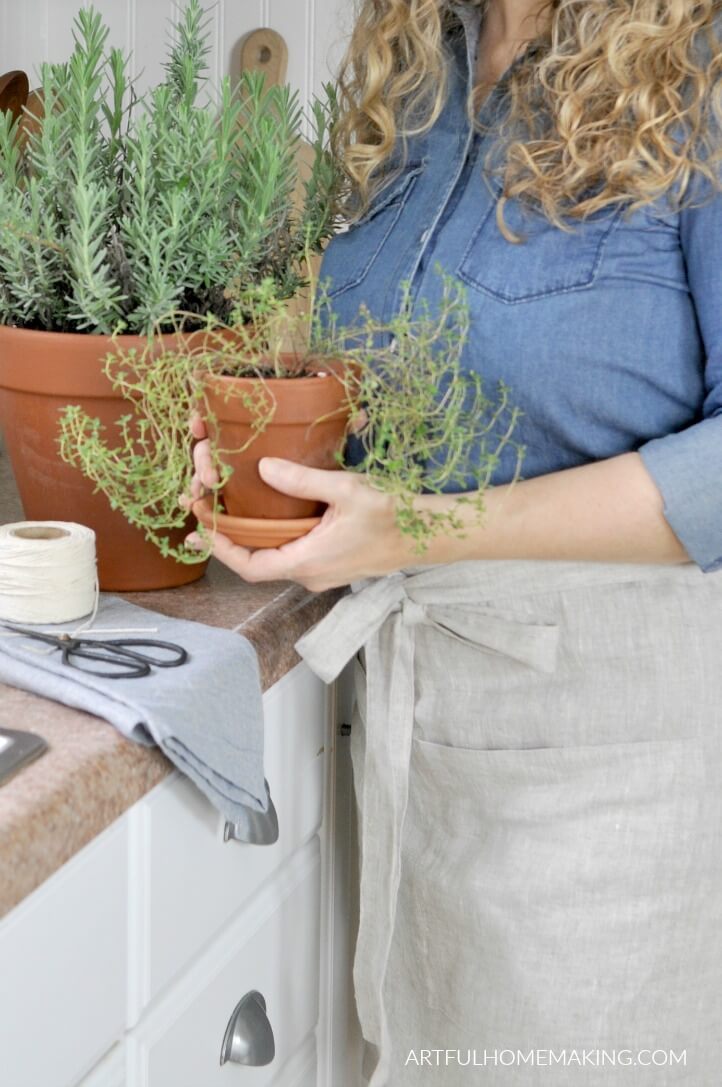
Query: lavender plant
x=119 y=209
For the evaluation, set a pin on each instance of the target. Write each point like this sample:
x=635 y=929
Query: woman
x=536 y=750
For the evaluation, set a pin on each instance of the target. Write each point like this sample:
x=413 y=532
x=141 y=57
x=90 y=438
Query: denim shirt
x=609 y=337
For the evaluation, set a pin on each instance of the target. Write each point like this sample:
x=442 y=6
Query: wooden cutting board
x=265 y=50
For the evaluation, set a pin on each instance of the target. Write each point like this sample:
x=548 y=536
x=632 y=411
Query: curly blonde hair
x=619 y=101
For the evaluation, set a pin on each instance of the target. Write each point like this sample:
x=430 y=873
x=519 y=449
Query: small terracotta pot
x=308 y=423
x=40 y=373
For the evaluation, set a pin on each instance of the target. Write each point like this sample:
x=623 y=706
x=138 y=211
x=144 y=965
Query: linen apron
x=538 y=775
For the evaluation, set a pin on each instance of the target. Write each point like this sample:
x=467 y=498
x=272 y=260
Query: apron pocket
x=566 y=896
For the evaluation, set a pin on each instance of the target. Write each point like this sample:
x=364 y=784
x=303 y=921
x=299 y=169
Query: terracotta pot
x=14 y=89
x=41 y=372
x=309 y=420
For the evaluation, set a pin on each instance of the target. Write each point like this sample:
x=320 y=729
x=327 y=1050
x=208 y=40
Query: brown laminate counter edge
x=90 y=774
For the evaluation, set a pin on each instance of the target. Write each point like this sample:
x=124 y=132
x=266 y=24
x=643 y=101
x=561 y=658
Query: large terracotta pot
x=308 y=419
x=14 y=90
x=41 y=372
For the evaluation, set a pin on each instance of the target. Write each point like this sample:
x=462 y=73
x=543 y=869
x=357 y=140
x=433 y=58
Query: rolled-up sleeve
x=687 y=466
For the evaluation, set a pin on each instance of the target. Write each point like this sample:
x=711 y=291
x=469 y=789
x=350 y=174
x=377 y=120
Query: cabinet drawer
x=272 y=948
x=190 y=882
x=63 y=969
x=110 y=1072
x=302 y=1070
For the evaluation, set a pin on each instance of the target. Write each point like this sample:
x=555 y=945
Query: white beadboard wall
x=32 y=31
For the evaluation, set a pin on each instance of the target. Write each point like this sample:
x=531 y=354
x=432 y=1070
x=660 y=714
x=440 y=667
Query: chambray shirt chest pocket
x=547 y=261
x=348 y=262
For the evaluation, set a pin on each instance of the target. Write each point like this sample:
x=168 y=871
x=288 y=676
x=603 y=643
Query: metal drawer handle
x=249 y=1035
x=261 y=828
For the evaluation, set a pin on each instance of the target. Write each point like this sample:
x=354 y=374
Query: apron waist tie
x=383 y=616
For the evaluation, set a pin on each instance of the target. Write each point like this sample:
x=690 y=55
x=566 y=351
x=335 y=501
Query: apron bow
x=358 y=617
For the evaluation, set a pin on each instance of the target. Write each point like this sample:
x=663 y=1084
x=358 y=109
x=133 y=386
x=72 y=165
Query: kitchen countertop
x=90 y=774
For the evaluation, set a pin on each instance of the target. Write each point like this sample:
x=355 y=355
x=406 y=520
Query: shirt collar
x=469 y=15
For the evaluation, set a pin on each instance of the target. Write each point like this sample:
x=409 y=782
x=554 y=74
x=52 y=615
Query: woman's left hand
x=356 y=538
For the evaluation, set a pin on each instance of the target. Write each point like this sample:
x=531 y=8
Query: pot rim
x=334 y=367
x=67 y=337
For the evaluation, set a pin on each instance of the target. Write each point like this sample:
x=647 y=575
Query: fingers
x=359 y=422
x=285 y=476
x=205 y=476
x=198 y=427
x=205 y=473
x=263 y=565
x=291 y=478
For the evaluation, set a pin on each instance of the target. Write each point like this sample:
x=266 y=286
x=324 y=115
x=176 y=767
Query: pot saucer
x=252 y=531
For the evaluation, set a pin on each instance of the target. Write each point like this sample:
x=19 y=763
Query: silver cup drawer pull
x=249 y=1035
x=260 y=828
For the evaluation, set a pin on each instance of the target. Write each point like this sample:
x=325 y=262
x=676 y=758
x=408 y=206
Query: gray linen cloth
x=206 y=716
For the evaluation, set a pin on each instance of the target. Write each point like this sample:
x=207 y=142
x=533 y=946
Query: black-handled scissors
x=127 y=662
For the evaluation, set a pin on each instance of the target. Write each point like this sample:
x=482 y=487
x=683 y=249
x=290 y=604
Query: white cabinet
x=273 y=949
x=110 y=1072
x=124 y=968
x=196 y=881
x=63 y=968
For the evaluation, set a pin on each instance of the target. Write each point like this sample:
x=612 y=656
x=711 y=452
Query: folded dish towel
x=207 y=715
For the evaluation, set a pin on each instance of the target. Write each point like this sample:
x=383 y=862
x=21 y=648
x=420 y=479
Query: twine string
x=47 y=572
x=48 y=575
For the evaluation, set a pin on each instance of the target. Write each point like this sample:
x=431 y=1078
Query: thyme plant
x=122 y=209
x=151 y=464
x=429 y=426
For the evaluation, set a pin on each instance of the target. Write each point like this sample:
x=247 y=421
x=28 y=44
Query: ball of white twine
x=48 y=572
